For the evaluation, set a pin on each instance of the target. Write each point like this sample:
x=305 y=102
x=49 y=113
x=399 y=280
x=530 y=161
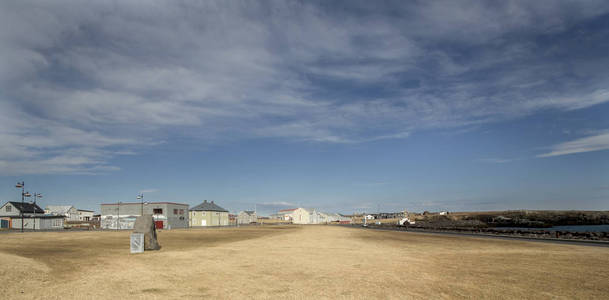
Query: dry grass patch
x=298 y=262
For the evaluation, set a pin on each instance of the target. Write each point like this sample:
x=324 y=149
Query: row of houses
x=120 y=215
x=309 y=216
x=168 y=215
x=30 y=216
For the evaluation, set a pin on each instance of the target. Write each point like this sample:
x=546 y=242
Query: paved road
x=493 y=236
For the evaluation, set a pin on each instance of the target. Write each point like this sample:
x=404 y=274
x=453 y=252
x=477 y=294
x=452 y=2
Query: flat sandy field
x=301 y=262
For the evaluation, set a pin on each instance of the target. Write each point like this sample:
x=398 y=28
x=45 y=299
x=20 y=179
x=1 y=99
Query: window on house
x=157 y=211
x=181 y=211
x=8 y=208
x=175 y=211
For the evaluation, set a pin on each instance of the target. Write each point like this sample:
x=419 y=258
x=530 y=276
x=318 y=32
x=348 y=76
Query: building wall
x=208 y=218
x=172 y=215
x=85 y=215
x=300 y=216
x=72 y=214
x=37 y=223
x=244 y=218
x=316 y=217
x=177 y=215
x=9 y=210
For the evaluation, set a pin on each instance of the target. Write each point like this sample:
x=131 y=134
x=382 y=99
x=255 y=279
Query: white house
x=316 y=217
x=247 y=217
x=85 y=215
x=69 y=212
x=13 y=213
x=308 y=216
x=300 y=216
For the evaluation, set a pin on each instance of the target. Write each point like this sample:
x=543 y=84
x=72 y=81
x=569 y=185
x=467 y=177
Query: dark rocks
x=145 y=224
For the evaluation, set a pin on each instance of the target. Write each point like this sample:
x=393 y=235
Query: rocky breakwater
x=515 y=232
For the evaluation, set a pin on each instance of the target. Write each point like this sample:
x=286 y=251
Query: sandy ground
x=296 y=262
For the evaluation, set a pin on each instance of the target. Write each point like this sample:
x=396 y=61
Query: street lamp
x=36 y=196
x=21 y=185
x=26 y=194
x=141 y=198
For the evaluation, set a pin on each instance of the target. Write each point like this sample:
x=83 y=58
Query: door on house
x=203 y=222
x=158 y=224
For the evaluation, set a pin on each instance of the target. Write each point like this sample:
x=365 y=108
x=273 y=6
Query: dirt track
x=296 y=262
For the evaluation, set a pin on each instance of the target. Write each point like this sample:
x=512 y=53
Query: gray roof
x=59 y=209
x=26 y=207
x=248 y=212
x=208 y=206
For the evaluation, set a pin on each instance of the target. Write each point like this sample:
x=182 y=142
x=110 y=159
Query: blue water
x=572 y=228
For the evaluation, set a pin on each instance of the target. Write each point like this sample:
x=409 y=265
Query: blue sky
x=343 y=106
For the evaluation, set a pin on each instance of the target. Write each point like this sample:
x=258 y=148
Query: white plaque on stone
x=137 y=243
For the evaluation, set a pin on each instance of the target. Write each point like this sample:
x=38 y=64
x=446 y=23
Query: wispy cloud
x=596 y=142
x=375 y=183
x=83 y=85
x=278 y=203
x=496 y=160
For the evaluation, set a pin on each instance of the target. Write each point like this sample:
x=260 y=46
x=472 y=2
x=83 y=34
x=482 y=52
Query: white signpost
x=137 y=243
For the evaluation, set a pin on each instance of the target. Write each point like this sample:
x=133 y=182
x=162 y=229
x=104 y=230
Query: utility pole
x=34 y=211
x=118 y=214
x=35 y=197
x=141 y=197
x=22 y=186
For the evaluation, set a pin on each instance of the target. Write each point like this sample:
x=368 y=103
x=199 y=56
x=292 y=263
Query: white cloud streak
x=586 y=144
x=82 y=85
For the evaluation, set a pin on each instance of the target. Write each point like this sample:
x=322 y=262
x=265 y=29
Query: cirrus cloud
x=82 y=83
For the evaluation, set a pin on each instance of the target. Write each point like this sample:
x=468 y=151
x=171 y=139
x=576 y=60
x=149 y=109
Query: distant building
x=247 y=217
x=85 y=215
x=300 y=216
x=69 y=212
x=284 y=215
x=33 y=217
x=316 y=217
x=309 y=216
x=338 y=218
x=166 y=215
x=208 y=214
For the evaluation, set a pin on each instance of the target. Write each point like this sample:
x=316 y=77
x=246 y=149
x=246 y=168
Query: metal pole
x=35 y=196
x=118 y=213
x=22 y=200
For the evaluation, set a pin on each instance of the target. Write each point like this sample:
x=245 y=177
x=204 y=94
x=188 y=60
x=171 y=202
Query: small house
x=27 y=215
x=247 y=217
x=208 y=214
x=68 y=212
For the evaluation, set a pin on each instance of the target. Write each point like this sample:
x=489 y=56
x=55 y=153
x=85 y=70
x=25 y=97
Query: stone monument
x=145 y=224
